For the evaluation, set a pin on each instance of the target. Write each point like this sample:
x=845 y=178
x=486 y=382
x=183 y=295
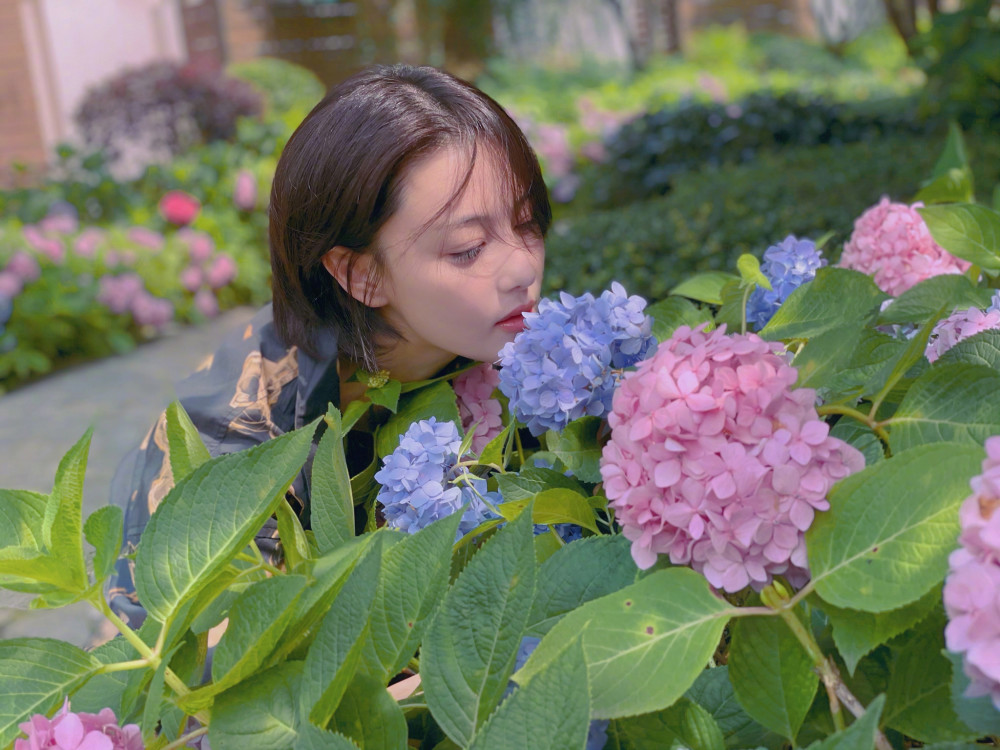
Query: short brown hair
x=339 y=180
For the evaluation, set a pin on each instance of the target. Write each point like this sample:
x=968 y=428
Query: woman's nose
x=521 y=267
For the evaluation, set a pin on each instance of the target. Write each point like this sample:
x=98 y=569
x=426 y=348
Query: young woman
x=407 y=219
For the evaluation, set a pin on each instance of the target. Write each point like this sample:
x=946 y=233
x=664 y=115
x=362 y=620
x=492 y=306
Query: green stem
x=820 y=663
x=743 y=310
x=123 y=666
x=185 y=739
x=866 y=419
x=414 y=664
x=520 y=448
x=552 y=530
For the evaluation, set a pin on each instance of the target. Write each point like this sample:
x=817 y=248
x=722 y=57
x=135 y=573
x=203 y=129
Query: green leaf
x=673 y=312
x=861 y=437
x=980 y=349
x=493 y=453
x=955 y=186
x=835 y=297
x=36 y=675
x=948 y=403
x=63 y=525
x=886 y=377
x=436 y=400
x=333 y=655
x=886 y=539
x=918 y=699
x=921 y=302
x=713 y=691
x=704 y=287
x=731 y=312
x=554 y=506
x=103 y=530
x=577 y=447
x=386 y=395
x=685 y=723
x=979 y=713
x=966 y=230
x=313 y=738
x=108 y=690
x=858 y=633
x=954 y=155
x=749 y=268
x=187 y=450
x=579 y=572
x=22 y=514
x=861 y=734
x=529 y=482
x=294 y=542
x=644 y=644
x=863 y=371
x=368 y=715
x=470 y=647
x=552 y=712
x=331 y=509
x=413 y=578
x=772 y=674
x=232 y=495
x=259 y=714
x=154 y=702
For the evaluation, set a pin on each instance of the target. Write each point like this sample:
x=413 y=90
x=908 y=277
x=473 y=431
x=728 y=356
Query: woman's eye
x=467 y=256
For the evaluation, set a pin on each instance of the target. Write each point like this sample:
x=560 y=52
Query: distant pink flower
x=714 y=87
x=200 y=245
x=146 y=238
x=51 y=248
x=206 y=303
x=85 y=245
x=552 y=145
x=78 y=731
x=118 y=292
x=891 y=242
x=111 y=258
x=959 y=326
x=10 y=284
x=151 y=311
x=221 y=272
x=179 y=208
x=24 y=266
x=595 y=151
x=972 y=588
x=59 y=223
x=717 y=462
x=474 y=389
x=245 y=191
x=192 y=278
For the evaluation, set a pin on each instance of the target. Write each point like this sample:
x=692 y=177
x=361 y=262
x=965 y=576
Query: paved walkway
x=120 y=397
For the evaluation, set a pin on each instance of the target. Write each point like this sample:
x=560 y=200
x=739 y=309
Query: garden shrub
x=163 y=108
x=285 y=86
x=712 y=217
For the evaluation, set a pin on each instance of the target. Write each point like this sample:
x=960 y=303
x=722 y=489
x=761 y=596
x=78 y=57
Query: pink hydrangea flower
x=10 y=284
x=477 y=406
x=146 y=238
x=245 y=190
x=151 y=311
x=78 y=731
x=118 y=292
x=221 y=272
x=959 y=326
x=972 y=589
x=59 y=223
x=891 y=242
x=206 y=303
x=717 y=462
x=179 y=208
x=192 y=278
x=24 y=266
x=49 y=247
x=85 y=245
x=200 y=245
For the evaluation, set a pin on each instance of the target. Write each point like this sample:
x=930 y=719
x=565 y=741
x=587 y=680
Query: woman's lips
x=515 y=321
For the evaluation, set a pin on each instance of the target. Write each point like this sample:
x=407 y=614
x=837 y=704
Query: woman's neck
x=403 y=363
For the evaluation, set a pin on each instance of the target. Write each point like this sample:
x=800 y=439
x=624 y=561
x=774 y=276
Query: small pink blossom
x=714 y=87
x=476 y=405
x=78 y=731
x=118 y=292
x=10 y=284
x=717 y=462
x=85 y=245
x=972 y=589
x=192 y=278
x=148 y=310
x=245 y=190
x=595 y=151
x=206 y=303
x=24 y=266
x=221 y=272
x=891 y=242
x=179 y=208
x=959 y=326
x=59 y=223
x=146 y=238
x=49 y=247
x=200 y=245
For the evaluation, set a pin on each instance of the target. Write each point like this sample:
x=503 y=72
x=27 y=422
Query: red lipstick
x=514 y=322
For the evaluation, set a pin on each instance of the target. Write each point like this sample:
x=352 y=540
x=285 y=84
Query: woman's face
x=457 y=285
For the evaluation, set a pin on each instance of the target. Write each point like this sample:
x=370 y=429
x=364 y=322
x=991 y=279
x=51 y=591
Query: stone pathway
x=120 y=397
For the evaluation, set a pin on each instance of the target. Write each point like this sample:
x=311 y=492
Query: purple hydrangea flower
x=787 y=266
x=566 y=363
x=418 y=481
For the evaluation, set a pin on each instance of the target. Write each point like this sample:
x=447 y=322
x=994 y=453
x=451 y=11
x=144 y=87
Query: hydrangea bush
x=763 y=538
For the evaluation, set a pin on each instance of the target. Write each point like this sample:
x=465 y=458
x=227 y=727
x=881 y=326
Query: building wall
x=20 y=132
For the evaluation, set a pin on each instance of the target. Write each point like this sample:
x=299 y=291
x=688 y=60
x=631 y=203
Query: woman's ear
x=357 y=279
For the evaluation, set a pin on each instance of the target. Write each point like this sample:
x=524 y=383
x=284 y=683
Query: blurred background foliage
x=673 y=159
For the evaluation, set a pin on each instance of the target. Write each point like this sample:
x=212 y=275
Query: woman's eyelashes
x=467 y=256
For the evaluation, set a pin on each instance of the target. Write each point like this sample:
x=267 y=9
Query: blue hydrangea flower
x=787 y=266
x=568 y=532
x=566 y=363
x=418 y=481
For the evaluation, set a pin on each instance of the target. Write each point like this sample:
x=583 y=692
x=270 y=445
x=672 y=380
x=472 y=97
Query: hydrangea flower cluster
x=960 y=325
x=126 y=293
x=787 y=265
x=717 y=462
x=972 y=588
x=567 y=361
x=146 y=238
x=891 y=242
x=245 y=190
x=21 y=269
x=476 y=405
x=179 y=208
x=201 y=277
x=418 y=484
x=79 y=731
